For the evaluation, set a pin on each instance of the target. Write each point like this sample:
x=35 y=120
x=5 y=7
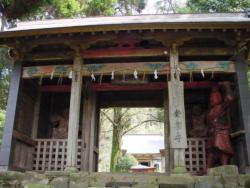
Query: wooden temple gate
x=86 y=68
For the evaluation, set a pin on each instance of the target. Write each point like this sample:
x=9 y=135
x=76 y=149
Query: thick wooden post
x=36 y=115
x=74 y=113
x=244 y=104
x=7 y=140
x=166 y=152
x=178 y=136
x=88 y=129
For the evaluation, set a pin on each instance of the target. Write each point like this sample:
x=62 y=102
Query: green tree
x=5 y=69
x=125 y=163
x=200 y=6
x=99 y=7
x=121 y=124
x=128 y=7
x=2 y=119
x=29 y=9
x=166 y=6
x=121 y=121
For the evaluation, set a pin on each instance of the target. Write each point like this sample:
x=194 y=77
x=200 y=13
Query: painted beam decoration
x=129 y=68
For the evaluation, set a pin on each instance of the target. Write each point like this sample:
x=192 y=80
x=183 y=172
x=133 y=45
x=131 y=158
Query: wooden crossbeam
x=55 y=88
x=123 y=52
x=128 y=68
x=126 y=87
x=92 y=54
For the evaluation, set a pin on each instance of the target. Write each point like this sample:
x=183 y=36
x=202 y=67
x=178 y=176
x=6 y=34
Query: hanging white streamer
x=135 y=74
x=52 y=75
x=112 y=75
x=92 y=76
x=156 y=74
x=202 y=73
x=178 y=71
x=70 y=74
x=41 y=80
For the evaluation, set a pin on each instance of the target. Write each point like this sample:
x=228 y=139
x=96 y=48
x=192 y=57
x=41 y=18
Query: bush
x=125 y=163
x=2 y=120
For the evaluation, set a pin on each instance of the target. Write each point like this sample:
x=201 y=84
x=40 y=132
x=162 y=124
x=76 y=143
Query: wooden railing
x=50 y=155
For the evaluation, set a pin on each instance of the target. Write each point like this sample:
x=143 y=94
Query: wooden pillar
x=166 y=152
x=36 y=115
x=244 y=104
x=7 y=140
x=74 y=113
x=178 y=136
x=89 y=120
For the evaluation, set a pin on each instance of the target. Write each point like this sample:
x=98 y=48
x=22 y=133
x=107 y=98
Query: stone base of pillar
x=71 y=169
x=179 y=170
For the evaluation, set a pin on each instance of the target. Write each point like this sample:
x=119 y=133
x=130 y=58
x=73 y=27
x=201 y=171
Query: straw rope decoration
x=154 y=69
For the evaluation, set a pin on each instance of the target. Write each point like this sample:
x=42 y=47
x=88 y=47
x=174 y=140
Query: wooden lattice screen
x=50 y=155
x=196 y=155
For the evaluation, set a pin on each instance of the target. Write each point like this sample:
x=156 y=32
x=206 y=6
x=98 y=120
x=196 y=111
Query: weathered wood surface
x=24 y=138
x=244 y=108
x=36 y=115
x=178 y=135
x=195 y=155
x=167 y=151
x=6 y=147
x=22 y=156
x=52 y=71
x=126 y=87
x=177 y=115
x=74 y=113
x=185 y=51
x=123 y=52
x=51 y=155
x=89 y=119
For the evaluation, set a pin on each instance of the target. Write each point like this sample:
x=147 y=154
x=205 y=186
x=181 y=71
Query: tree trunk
x=117 y=138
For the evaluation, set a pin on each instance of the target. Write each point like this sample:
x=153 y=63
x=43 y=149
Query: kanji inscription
x=178 y=137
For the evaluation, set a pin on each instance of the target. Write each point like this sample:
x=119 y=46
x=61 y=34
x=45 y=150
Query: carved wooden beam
x=129 y=68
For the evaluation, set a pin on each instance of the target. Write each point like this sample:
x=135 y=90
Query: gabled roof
x=172 y=21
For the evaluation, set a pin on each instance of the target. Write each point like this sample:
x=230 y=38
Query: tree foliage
x=166 y=6
x=129 y=7
x=122 y=123
x=125 y=163
x=99 y=7
x=2 y=120
x=5 y=69
x=200 y=6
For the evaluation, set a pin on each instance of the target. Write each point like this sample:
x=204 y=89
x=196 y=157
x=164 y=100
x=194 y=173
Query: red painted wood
x=122 y=52
x=147 y=87
x=55 y=88
x=128 y=87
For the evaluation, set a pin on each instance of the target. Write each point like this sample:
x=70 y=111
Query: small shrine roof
x=92 y=24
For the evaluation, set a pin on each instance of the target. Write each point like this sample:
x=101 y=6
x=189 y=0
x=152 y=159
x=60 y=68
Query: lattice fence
x=196 y=155
x=51 y=154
